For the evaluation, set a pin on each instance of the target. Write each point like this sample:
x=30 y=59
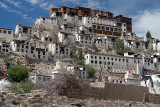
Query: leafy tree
x=18 y=73
x=80 y=54
x=119 y=48
x=148 y=35
x=90 y=71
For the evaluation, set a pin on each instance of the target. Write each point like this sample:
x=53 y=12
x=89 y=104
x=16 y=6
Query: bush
x=80 y=62
x=23 y=87
x=18 y=73
x=90 y=70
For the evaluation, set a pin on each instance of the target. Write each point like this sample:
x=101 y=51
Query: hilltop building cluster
x=83 y=27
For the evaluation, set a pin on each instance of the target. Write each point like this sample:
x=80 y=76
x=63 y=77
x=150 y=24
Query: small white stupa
x=129 y=79
x=128 y=76
x=59 y=70
x=4 y=84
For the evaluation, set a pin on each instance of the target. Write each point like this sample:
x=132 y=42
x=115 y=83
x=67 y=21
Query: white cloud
x=7 y=8
x=41 y=3
x=147 y=20
x=94 y=4
x=15 y=3
x=2 y=5
x=33 y=2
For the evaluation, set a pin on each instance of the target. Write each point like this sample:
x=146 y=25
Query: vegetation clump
x=18 y=73
x=90 y=71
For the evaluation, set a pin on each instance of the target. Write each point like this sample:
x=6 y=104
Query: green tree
x=74 y=52
x=80 y=54
x=119 y=48
x=148 y=35
x=18 y=73
x=90 y=71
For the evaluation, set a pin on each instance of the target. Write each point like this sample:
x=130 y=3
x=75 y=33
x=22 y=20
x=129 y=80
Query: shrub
x=23 y=87
x=80 y=62
x=90 y=71
x=18 y=73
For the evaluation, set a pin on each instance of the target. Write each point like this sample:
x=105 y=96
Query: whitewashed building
x=46 y=22
x=66 y=38
x=58 y=49
x=41 y=80
x=81 y=72
x=6 y=33
x=5 y=47
x=85 y=39
x=24 y=30
x=117 y=63
x=32 y=51
x=68 y=29
x=105 y=42
x=47 y=39
x=156 y=46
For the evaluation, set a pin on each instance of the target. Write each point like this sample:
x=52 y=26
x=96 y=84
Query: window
x=0 y=31
x=98 y=27
x=100 y=62
x=9 y=32
x=4 y=31
x=39 y=78
x=99 y=57
x=92 y=61
x=107 y=28
x=95 y=62
x=6 y=50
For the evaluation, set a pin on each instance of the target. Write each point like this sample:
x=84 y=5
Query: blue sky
x=145 y=13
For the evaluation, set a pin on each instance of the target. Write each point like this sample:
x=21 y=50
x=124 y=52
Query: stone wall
x=124 y=92
x=114 y=92
x=153 y=98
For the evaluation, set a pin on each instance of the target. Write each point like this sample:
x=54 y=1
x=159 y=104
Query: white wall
x=5 y=33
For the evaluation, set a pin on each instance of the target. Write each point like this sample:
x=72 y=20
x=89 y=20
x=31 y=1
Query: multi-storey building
x=128 y=22
x=31 y=50
x=4 y=46
x=24 y=30
x=46 y=22
x=120 y=63
x=105 y=42
x=58 y=49
x=85 y=39
x=104 y=30
x=6 y=33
